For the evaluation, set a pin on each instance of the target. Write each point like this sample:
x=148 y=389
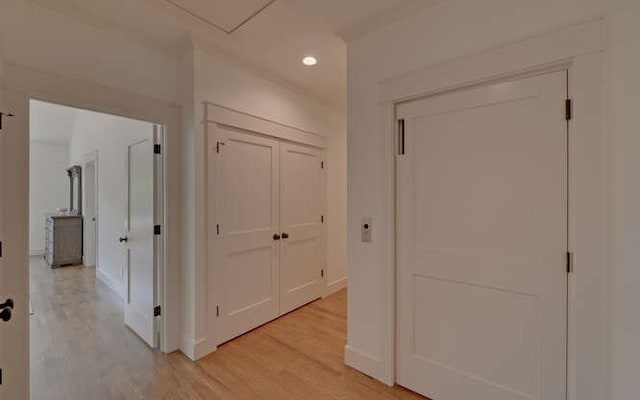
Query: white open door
x=302 y=199
x=482 y=241
x=14 y=188
x=140 y=274
x=248 y=274
x=90 y=196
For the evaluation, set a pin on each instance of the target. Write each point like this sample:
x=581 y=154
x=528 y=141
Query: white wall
x=228 y=84
x=457 y=28
x=108 y=136
x=48 y=188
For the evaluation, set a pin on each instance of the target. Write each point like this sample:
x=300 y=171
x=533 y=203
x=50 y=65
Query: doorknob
x=123 y=239
x=6 y=310
x=7 y=304
x=276 y=236
x=6 y=314
x=285 y=235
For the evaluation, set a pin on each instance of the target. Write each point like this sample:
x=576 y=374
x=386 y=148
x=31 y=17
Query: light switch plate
x=366 y=228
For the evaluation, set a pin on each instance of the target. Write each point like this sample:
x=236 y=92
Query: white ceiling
x=51 y=123
x=272 y=36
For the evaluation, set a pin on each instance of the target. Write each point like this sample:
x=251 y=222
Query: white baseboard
x=36 y=252
x=110 y=283
x=365 y=363
x=336 y=285
x=195 y=350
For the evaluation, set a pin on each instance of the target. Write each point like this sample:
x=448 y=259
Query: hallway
x=80 y=349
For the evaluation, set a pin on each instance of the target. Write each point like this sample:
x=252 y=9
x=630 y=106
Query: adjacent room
x=92 y=250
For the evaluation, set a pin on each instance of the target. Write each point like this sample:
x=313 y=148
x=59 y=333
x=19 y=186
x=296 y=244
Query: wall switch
x=366 y=229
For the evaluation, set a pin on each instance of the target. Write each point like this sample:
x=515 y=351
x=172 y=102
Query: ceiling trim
x=216 y=26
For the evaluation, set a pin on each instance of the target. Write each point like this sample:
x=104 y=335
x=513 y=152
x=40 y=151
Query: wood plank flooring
x=81 y=350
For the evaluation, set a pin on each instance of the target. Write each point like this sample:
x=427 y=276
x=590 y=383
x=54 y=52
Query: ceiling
x=51 y=123
x=269 y=36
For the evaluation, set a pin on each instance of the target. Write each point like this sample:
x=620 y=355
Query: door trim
x=21 y=84
x=577 y=48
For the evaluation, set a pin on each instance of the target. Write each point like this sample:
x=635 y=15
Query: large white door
x=302 y=198
x=482 y=241
x=249 y=273
x=139 y=256
x=14 y=189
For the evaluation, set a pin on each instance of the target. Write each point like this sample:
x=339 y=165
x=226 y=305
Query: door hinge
x=321 y=164
x=217 y=311
x=157 y=149
x=322 y=273
x=157 y=230
x=322 y=219
x=217 y=229
x=569 y=262
x=0 y=376
x=218 y=144
x=568 y=109
x=401 y=149
x=157 y=311
x=0 y=249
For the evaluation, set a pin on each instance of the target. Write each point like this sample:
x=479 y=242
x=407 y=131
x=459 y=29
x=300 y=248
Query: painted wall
x=457 y=28
x=68 y=47
x=223 y=82
x=48 y=188
x=108 y=136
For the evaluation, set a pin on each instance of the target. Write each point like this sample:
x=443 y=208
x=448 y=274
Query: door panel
x=140 y=272
x=250 y=212
x=482 y=227
x=302 y=198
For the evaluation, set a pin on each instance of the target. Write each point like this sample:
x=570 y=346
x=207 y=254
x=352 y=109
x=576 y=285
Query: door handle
x=285 y=235
x=6 y=311
x=6 y=314
x=7 y=304
x=276 y=236
x=123 y=239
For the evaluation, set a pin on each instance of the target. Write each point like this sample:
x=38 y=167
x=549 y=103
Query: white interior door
x=482 y=241
x=250 y=213
x=140 y=272
x=302 y=198
x=90 y=213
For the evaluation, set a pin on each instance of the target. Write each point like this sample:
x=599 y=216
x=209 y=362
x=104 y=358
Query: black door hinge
x=157 y=311
x=217 y=311
x=322 y=219
x=321 y=164
x=157 y=149
x=157 y=230
x=568 y=109
x=217 y=229
x=0 y=376
x=569 y=262
x=322 y=273
x=401 y=149
x=0 y=249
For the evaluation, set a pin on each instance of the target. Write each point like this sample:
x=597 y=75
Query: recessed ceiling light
x=309 y=61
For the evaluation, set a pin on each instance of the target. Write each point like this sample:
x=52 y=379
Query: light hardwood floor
x=81 y=350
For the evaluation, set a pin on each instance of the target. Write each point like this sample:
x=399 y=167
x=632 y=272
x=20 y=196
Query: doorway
x=94 y=287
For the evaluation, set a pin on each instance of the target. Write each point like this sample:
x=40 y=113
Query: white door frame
x=577 y=48
x=91 y=158
x=207 y=245
x=21 y=85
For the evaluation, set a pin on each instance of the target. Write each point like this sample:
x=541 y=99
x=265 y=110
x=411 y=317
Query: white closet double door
x=271 y=201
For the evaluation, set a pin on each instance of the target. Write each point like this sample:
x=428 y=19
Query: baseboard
x=365 y=363
x=335 y=286
x=36 y=252
x=195 y=350
x=110 y=283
